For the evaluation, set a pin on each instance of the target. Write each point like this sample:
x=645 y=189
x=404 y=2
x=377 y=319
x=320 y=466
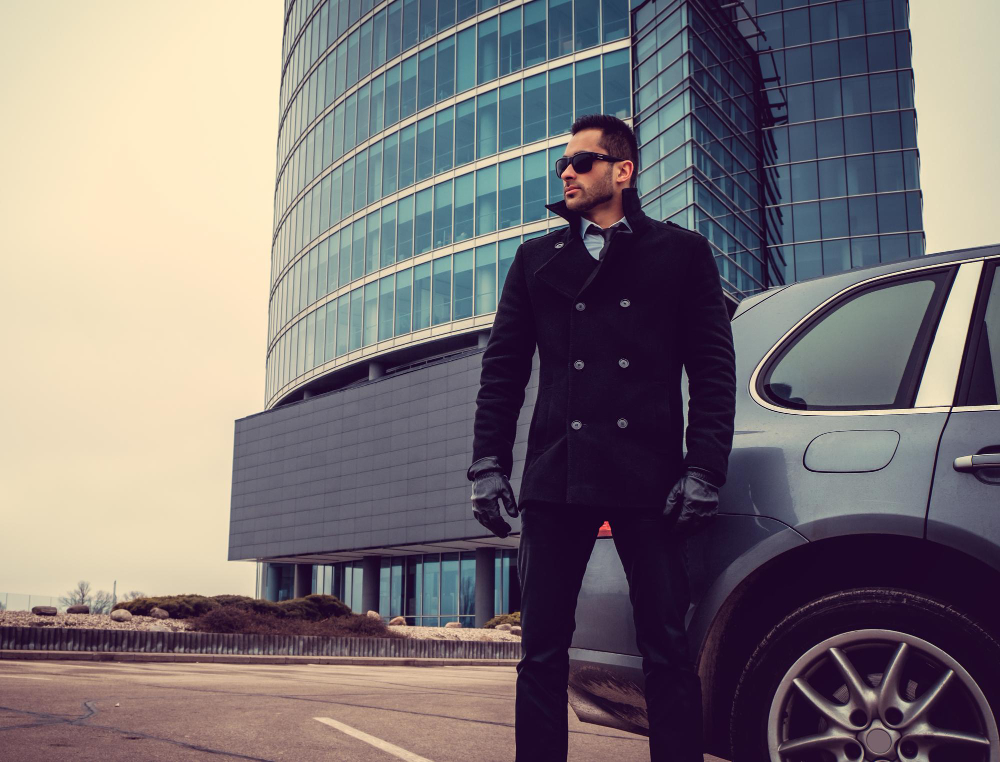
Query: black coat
x=612 y=337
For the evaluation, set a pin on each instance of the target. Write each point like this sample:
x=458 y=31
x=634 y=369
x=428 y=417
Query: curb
x=365 y=661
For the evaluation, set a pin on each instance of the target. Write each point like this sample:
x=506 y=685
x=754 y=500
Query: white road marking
x=378 y=743
x=25 y=677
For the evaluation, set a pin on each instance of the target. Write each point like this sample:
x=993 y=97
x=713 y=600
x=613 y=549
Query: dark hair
x=617 y=138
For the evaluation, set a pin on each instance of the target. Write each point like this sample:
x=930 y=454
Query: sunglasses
x=582 y=162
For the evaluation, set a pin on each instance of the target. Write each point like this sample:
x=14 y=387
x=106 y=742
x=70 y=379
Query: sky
x=136 y=204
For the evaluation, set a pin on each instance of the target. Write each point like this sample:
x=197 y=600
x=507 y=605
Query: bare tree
x=131 y=595
x=80 y=595
x=103 y=602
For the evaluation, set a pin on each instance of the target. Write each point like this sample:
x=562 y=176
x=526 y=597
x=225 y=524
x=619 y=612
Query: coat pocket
x=541 y=429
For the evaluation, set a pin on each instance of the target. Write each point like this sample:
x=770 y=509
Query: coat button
x=581 y=306
x=624 y=302
x=578 y=365
x=622 y=423
x=623 y=362
x=576 y=425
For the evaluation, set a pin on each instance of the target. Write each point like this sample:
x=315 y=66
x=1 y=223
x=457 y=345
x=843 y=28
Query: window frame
x=909 y=385
x=975 y=334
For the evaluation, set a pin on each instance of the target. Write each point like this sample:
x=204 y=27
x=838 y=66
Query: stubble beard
x=601 y=193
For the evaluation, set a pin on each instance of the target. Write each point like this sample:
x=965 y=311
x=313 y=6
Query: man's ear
x=626 y=178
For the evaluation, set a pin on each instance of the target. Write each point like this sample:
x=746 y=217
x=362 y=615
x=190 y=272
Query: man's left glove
x=490 y=486
x=693 y=502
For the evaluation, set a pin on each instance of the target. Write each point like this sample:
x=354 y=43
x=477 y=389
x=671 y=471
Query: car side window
x=984 y=385
x=865 y=352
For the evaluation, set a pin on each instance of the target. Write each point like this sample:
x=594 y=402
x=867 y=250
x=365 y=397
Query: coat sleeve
x=506 y=368
x=710 y=361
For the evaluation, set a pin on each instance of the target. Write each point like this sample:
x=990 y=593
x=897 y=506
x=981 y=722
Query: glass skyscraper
x=415 y=153
x=417 y=139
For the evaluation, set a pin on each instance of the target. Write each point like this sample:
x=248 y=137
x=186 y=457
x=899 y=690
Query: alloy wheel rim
x=880 y=696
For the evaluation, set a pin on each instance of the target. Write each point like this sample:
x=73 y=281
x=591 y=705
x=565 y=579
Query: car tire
x=770 y=709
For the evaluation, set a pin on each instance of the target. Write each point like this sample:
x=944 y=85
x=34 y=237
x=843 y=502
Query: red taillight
x=605 y=530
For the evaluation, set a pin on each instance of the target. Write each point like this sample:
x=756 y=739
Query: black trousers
x=556 y=543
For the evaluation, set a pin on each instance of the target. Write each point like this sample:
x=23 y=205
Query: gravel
x=456 y=633
x=86 y=621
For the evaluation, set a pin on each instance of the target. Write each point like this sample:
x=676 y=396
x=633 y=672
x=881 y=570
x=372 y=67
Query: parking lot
x=123 y=711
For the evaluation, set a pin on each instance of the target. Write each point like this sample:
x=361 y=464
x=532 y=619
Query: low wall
x=141 y=641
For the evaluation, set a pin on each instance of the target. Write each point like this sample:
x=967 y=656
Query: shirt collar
x=631 y=205
x=585 y=223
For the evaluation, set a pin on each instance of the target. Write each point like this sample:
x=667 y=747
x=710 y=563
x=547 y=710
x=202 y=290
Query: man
x=617 y=303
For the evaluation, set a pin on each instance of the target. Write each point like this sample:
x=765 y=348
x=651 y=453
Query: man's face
x=582 y=192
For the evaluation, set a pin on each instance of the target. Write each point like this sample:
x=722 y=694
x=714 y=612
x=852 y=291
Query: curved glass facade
x=416 y=140
x=414 y=155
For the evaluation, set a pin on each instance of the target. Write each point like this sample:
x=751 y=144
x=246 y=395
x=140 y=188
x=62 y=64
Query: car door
x=964 y=509
x=846 y=424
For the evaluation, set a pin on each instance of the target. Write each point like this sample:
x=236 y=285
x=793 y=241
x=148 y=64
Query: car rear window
x=864 y=352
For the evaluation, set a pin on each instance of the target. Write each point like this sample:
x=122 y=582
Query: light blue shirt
x=594 y=241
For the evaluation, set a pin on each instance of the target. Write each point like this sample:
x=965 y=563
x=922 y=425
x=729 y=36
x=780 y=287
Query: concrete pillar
x=485 y=581
x=375 y=370
x=484 y=338
x=303 y=580
x=270 y=582
x=370 y=565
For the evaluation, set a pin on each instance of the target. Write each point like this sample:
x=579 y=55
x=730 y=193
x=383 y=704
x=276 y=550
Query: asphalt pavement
x=55 y=710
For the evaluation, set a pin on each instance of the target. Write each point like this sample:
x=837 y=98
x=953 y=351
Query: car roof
x=957 y=255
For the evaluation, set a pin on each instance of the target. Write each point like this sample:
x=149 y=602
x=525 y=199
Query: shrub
x=260 y=605
x=178 y=606
x=313 y=608
x=237 y=618
x=514 y=618
x=310 y=608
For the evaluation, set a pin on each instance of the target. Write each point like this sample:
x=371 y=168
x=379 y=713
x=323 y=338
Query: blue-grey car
x=846 y=601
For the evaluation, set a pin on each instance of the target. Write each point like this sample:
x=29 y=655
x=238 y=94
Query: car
x=846 y=599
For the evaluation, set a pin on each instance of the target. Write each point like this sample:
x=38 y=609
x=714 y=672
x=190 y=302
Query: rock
x=503 y=627
x=515 y=630
x=44 y=610
x=159 y=614
x=373 y=614
x=80 y=608
x=397 y=621
x=158 y=628
x=121 y=615
x=453 y=624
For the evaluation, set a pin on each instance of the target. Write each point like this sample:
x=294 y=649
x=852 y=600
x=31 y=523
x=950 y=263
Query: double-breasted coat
x=612 y=336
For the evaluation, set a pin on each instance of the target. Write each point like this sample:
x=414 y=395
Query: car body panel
x=965 y=507
x=727 y=551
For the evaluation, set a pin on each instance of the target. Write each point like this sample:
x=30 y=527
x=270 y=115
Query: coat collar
x=631 y=205
x=571 y=268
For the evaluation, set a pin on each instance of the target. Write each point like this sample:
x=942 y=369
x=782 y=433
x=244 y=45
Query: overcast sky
x=136 y=195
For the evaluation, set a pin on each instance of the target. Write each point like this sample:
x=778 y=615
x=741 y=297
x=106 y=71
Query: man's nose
x=569 y=169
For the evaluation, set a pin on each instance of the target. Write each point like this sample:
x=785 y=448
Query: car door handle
x=975 y=462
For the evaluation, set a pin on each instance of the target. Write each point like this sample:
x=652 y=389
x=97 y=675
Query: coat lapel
x=571 y=269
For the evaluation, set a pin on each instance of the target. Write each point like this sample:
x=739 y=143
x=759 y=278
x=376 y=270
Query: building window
x=506 y=585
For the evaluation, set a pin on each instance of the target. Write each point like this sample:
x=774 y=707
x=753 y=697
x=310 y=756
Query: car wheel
x=870 y=674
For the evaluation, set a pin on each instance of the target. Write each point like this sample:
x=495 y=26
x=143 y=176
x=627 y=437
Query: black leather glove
x=490 y=486
x=693 y=502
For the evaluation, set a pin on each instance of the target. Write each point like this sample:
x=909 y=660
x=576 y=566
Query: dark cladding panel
x=375 y=465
